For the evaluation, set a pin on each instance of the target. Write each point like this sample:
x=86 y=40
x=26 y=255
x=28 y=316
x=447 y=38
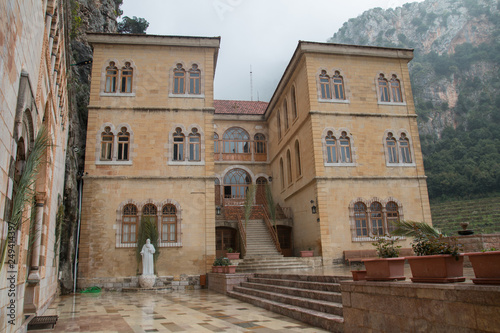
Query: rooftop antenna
x=251 y=84
x=258 y=98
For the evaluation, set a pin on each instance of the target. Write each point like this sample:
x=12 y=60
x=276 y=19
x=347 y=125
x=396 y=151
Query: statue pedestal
x=147 y=281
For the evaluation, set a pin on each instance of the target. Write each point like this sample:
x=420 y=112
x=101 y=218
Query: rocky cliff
x=83 y=16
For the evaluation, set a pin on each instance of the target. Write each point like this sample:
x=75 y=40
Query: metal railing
x=243 y=235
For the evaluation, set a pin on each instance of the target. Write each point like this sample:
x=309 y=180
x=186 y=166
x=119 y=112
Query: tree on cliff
x=134 y=25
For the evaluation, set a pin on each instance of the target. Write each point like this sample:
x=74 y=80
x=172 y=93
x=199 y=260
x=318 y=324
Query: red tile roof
x=239 y=107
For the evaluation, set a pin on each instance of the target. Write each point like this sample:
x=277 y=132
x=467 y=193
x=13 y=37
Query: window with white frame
x=389 y=91
x=337 y=148
x=114 y=146
x=398 y=152
x=186 y=149
x=373 y=218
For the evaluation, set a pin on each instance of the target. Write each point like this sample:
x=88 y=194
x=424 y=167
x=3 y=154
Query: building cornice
x=159 y=40
x=148 y=109
x=363 y=114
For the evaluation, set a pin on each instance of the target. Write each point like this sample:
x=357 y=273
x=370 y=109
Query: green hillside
x=482 y=214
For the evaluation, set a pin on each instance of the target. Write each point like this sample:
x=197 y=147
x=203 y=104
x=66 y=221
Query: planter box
x=219 y=269
x=231 y=269
x=385 y=269
x=306 y=253
x=358 y=275
x=233 y=256
x=486 y=266
x=441 y=268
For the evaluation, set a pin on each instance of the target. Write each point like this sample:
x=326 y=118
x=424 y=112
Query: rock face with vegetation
x=456 y=87
x=85 y=15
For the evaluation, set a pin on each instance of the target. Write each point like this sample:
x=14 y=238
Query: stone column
x=34 y=275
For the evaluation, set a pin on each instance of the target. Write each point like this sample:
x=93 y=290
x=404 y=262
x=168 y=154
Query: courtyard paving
x=176 y=311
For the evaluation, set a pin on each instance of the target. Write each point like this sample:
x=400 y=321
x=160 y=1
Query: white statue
x=147 y=258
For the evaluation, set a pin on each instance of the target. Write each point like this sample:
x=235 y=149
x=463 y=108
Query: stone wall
x=222 y=283
x=180 y=282
x=417 y=307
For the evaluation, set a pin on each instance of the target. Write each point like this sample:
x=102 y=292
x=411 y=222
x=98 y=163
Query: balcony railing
x=248 y=152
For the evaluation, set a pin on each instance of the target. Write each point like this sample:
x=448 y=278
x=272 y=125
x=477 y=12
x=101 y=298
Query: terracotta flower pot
x=385 y=269
x=306 y=253
x=231 y=269
x=233 y=256
x=486 y=266
x=214 y=269
x=441 y=268
x=220 y=269
x=358 y=275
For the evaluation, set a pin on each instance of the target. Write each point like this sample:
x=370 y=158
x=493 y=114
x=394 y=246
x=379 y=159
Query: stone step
x=273 y=264
x=274 y=268
x=327 y=296
x=262 y=256
x=322 y=286
x=330 y=322
x=321 y=306
x=274 y=258
x=302 y=277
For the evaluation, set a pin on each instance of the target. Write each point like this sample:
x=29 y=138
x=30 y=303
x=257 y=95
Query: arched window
x=338 y=86
x=179 y=79
x=169 y=223
x=178 y=145
x=360 y=219
x=297 y=159
x=392 y=215
x=260 y=144
x=331 y=148
x=194 y=80
x=236 y=141
x=392 y=149
x=404 y=148
x=294 y=104
x=127 y=72
x=285 y=114
x=216 y=143
x=289 y=167
x=396 y=89
x=324 y=82
x=149 y=211
x=376 y=218
x=111 y=78
x=282 y=174
x=345 y=148
x=123 y=144
x=236 y=183
x=106 y=144
x=194 y=145
x=383 y=88
x=278 y=123
x=129 y=224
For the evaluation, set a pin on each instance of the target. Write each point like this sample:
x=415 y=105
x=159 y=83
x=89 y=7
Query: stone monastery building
x=337 y=146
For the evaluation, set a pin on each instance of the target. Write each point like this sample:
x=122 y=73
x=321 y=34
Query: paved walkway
x=187 y=311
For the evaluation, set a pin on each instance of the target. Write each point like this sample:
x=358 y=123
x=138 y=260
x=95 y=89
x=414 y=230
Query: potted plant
x=231 y=255
x=437 y=260
x=358 y=274
x=228 y=268
x=486 y=266
x=308 y=253
x=388 y=266
x=218 y=266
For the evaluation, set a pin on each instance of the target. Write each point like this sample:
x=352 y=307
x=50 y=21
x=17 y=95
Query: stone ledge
x=222 y=283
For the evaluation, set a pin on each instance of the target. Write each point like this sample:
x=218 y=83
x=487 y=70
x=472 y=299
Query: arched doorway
x=260 y=194
x=236 y=184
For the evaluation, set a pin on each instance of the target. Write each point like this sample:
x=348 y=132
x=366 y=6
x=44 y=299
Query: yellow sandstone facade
x=337 y=145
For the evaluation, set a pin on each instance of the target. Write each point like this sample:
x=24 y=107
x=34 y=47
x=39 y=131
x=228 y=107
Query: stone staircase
x=261 y=252
x=315 y=300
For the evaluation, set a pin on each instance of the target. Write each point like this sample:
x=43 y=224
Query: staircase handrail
x=272 y=231
x=243 y=234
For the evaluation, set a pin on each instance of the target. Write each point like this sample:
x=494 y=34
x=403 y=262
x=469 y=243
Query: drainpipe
x=75 y=273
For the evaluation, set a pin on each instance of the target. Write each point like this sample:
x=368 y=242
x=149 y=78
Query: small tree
x=271 y=206
x=249 y=203
x=134 y=25
x=147 y=230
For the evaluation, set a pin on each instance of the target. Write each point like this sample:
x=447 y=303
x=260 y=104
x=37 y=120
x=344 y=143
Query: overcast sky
x=261 y=34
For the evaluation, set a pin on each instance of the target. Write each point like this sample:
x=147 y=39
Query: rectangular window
x=168 y=233
x=331 y=151
x=377 y=224
x=106 y=148
x=405 y=151
x=194 y=83
x=123 y=148
x=325 y=88
x=384 y=91
x=178 y=149
x=129 y=231
x=126 y=81
x=338 y=87
x=396 y=91
x=345 y=151
x=361 y=229
x=194 y=148
x=391 y=150
x=179 y=82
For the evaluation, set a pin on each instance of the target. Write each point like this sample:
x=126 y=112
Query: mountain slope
x=455 y=82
